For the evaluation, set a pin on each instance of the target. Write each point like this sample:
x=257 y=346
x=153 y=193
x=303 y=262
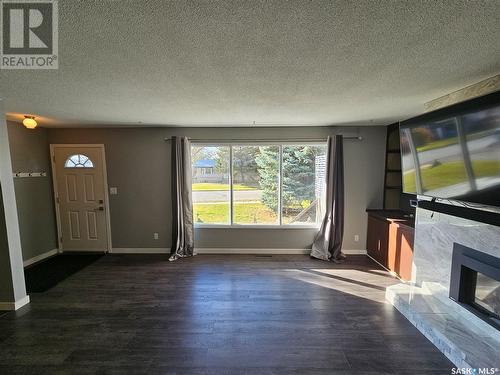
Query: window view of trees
x=303 y=180
x=263 y=191
x=258 y=168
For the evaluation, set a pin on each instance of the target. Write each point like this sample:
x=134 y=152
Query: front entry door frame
x=106 y=190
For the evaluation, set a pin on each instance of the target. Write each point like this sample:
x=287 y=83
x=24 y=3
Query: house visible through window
x=211 y=194
x=258 y=184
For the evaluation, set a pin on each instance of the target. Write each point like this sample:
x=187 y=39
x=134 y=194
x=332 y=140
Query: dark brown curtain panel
x=327 y=244
x=182 y=202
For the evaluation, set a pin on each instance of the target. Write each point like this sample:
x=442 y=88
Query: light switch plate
x=113 y=190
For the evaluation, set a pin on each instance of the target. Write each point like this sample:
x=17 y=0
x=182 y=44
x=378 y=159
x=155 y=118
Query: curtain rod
x=349 y=138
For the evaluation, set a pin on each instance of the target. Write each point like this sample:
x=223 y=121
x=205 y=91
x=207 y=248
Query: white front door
x=80 y=188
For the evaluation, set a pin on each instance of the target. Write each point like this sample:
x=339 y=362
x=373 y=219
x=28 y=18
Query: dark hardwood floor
x=217 y=314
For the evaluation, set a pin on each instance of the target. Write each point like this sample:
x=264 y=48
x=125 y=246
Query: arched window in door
x=78 y=161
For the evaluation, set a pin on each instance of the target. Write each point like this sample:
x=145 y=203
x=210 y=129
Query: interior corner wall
x=29 y=151
x=6 y=293
x=138 y=165
x=12 y=285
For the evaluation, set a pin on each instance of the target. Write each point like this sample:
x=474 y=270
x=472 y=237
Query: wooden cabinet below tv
x=390 y=240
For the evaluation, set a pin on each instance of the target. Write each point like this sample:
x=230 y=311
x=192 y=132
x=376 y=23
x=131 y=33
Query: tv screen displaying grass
x=454 y=153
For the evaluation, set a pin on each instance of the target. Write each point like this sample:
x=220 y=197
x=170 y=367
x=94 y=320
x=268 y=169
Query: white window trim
x=232 y=225
x=256 y=226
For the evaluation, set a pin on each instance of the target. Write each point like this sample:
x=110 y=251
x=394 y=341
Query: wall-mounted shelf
x=29 y=174
x=393 y=195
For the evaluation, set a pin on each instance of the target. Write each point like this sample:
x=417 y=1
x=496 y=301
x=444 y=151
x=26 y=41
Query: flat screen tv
x=454 y=152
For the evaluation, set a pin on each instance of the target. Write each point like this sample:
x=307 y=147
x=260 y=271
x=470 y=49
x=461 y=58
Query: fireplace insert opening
x=475 y=283
x=487 y=295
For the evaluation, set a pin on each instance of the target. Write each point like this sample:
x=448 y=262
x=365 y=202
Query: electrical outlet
x=113 y=190
x=356 y=238
x=156 y=236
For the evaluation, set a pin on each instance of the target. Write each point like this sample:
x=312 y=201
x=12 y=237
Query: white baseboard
x=220 y=250
x=232 y=250
x=140 y=250
x=12 y=306
x=208 y=250
x=354 y=252
x=40 y=257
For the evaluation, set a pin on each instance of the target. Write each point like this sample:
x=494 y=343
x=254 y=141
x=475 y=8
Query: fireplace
x=475 y=283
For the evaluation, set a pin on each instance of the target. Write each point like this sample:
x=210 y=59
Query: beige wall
x=29 y=151
x=138 y=165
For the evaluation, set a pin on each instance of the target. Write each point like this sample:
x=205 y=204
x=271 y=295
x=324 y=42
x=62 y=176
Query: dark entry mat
x=42 y=276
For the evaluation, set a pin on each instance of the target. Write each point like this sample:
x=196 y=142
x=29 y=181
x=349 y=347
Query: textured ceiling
x=161 y=62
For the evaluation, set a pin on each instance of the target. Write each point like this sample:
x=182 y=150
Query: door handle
x=100 y=208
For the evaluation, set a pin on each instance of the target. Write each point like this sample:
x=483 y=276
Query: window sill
x=250 y=226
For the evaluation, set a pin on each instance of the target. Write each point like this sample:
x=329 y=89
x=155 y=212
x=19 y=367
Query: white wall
x=12 y=287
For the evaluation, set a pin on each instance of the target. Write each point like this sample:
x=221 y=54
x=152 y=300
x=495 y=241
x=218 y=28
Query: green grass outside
x=451 y=173
x=450 y=141
x=244 y=213
x=206 y=186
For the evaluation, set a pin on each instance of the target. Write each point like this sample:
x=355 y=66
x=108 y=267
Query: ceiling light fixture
x=29 y=122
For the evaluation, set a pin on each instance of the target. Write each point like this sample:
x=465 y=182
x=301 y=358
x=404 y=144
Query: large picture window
x=258 y=184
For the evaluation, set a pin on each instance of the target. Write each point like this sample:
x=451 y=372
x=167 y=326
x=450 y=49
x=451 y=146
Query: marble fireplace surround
x=464 y=338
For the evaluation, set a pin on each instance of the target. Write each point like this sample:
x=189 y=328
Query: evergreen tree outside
x=268 y=167
x=298 y=176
